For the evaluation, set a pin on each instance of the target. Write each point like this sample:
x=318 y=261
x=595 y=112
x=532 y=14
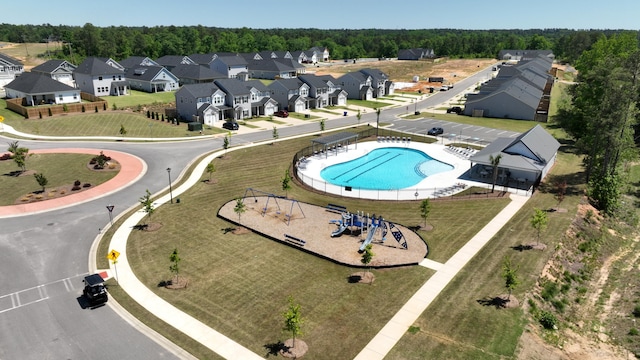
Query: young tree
x=225 y=143
x=20 y=158
x=123 y=131
x=175 y=261
x=367 y=256
x=425 y=209
x=147 y=204
x=321 y=125
x=240 y=207
x=359 y=116
x=210 y=169
x=286 y=183
x=495 y=162
x=539 y=222
x=274 y=133
x=510 y=275
x=293 y=319
x=41 y=179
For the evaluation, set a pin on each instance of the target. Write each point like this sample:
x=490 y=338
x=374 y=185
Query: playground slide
x=369 y=238
x=340 y=230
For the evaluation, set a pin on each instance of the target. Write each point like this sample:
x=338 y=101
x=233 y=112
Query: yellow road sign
x=1 y=118
x=113 y=255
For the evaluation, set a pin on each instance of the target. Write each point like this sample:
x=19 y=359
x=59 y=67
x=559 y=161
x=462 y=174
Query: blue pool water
x=384 y=169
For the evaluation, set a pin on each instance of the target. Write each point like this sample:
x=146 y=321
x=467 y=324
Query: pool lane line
x=361 y=165
x=366 y=171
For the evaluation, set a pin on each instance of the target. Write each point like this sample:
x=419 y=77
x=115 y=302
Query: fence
x=33 y=112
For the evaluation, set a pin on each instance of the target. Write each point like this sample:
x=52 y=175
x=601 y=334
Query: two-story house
x=357 y=85
x=321 y=53
x=238 y=98
x=151 y=79
x=337 y=96
x=233 y=66
x=96 y=77
x=195 y=74
x=261 y=102
x=379 y=82
x=291 y=94
x=318 y=91
x=171 y=61
x=9 y=68
x=59 y=70
x=136 y=61
x=204 y=103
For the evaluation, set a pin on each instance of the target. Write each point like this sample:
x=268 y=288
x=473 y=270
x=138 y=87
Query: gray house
x=318 y=91
x=291 y=94
x=233 y=66
x=261 y=102
x=337 y=96
x=171 y=61
x=238 y=98
x=59 y=70
x=9 y=68
x=379 y=82
x=358 y=85
x=204 y=103
x=525 y=160
x=415 y=54
x=136 y=61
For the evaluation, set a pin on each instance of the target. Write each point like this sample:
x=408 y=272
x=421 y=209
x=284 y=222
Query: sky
x=332 y=14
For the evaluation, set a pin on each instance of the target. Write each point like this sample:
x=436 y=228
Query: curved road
x=43 y=257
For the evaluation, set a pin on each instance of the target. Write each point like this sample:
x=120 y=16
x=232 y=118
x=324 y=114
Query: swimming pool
x=385 y=168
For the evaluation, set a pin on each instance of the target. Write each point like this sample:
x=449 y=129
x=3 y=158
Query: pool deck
x=432 y=186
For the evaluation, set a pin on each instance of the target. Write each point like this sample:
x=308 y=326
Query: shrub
x=39 y=197
x=548 y=320
x=96 y=109
x=65 y=108
x=114 y=106
x=636 y=311
x=83 y=109
x=549 y=291
x=104 y=106
x=50 y=112
x=62 y=192
x=86 y=185
x=148 y=114
x=414 y=329
x=634 y=332
x=40 y=114
x=76 y=185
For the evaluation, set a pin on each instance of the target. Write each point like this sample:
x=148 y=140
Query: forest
x=121 y=42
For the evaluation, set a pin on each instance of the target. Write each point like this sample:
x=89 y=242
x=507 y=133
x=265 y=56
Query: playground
x=333 y=232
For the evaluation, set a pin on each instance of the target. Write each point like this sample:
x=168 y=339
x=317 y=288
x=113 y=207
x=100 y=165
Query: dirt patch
x=362 y=277
x=178 y=282
x=293 y=352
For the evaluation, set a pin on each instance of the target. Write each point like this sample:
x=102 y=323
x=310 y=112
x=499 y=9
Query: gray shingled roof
x=36 y=83
x=10 y=60
x=234 y=87
x=173 y=60
x=95 y=66
x=198 y=72
x=313 y=81
x=50 y=66
x=200 y=90
x=144 y=73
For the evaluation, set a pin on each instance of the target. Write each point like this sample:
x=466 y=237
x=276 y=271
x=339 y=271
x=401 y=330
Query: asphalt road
x=43 y=257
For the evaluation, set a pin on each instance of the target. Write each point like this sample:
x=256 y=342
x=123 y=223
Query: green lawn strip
x=103 y=124
x=51 y=165
x=369 y=104
x=239 y=283
x=135 y=98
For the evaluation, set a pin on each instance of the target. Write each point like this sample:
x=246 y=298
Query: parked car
x=454 y=109
x=95 y=290
x=435 y=131
x=282 y=113
x=230 y=125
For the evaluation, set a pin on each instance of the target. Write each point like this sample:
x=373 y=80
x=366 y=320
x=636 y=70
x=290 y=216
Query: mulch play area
x=309 y=227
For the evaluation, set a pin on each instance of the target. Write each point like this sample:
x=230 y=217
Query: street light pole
x=377 y=121
x=170 y=190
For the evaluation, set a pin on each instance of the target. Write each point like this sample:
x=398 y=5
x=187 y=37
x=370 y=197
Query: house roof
x=95 y=66
x=232 y=60
x=233 y=87
x=313 y=81
x=8 y=60
x=202 y=59
x=290 y=84
x=135 y=61
x=530 y=151
x=37 y=83
x=376 y=75
x=146 y=73
x=199 y=90
x=50 y=66
x=259 y=85
x=196 y=71
x=174 y=60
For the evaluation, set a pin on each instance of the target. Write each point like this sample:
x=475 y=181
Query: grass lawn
x=74 y=165
x=105 y=124
x=136 y=98
x=239 y=283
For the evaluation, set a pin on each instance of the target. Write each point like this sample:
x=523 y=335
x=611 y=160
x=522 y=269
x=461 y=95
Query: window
x=119 y=77
x=100 y=78
x=75 y=96
x=114 y=78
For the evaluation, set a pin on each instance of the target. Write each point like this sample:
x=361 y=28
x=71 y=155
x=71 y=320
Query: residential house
x=520 y=92
x=261 y=102
x=274 y=69
x=204 y=103
x=59 y=70
x=238 y=98
x=172 y=61
x=136 y=61
x=37 y=88
x=358 y=85
x=195 y=74
x=233 y=66
x=520 y=55
x=291 y=94
x=379 y=82
x=9 y=68
x=318 y=91
x=94 y=76
x=300 y=57
x=112 y=63
x=337 y=96
x=524 y=160
x=321 y=53
x=151 y=79
x=416 y=54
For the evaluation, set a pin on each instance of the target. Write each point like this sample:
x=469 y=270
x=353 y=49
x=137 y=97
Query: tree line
x=120 y=42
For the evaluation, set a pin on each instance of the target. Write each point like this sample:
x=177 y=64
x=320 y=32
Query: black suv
x=455 y=109
x=95 y=290
x=231 y=125
x=435 y=131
